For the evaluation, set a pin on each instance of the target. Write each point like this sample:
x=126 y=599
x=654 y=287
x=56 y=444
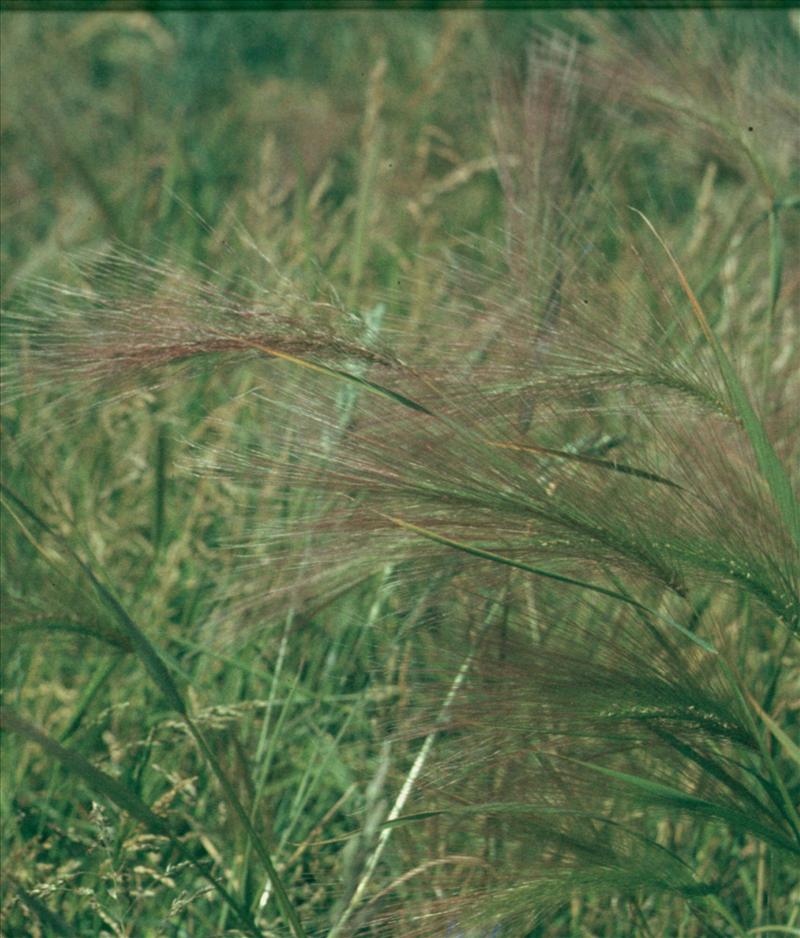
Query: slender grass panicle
x=543 y=537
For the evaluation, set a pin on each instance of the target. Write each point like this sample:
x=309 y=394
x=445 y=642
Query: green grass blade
x=281 y=896
x=548 y=574
x=609 y=464
x=775 y=930
x=152 y=661
x=507 y=561
x=660 y=792
x=790 y=747
x=768 y=462
x=775 y=265
x=158 y=671
x=98 y=781
x=384 y=392
x=117 y=793
x=775 y=281
x=712 y=768
x=338 y=373
x=160 y=486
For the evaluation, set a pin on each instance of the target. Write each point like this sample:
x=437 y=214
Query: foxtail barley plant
x=545 y=527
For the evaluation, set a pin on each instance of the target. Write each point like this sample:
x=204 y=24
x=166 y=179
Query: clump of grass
x=563 y=505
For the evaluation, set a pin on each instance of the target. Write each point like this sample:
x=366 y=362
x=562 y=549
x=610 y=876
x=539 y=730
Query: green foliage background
x=355 y=148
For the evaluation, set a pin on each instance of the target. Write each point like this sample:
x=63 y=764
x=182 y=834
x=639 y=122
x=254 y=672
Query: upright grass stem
x=411 y=780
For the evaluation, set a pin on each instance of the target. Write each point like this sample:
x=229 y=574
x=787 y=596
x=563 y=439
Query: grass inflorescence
x=364 y=577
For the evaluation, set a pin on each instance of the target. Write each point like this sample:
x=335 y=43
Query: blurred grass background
x=355 y=147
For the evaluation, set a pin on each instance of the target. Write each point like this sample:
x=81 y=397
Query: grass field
x=400 y=464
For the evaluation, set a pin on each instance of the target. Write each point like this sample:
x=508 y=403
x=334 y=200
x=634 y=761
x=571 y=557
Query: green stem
x=281 y=896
